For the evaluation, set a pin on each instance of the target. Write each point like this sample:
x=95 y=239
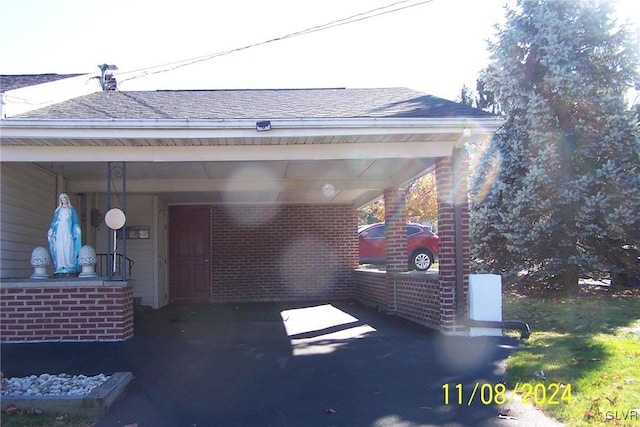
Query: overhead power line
x=171 y=66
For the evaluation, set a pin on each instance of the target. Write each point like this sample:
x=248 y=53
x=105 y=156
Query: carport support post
x=453 y=229
x=395 y=218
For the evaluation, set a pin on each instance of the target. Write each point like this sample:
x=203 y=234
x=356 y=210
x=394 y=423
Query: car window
x=412 y=229
x=375 y=232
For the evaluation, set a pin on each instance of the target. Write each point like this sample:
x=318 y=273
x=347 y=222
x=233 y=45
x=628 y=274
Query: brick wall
x=452 y=191
x=439 y=301
x=414 y=295
x=371 y=288
x=69 y=311
x=395 y=217
x=417 y=297
x=292 y=252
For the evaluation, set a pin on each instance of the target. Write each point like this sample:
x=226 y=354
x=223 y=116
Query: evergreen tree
x=466 y=96
x=564 y=169
x=486 y=98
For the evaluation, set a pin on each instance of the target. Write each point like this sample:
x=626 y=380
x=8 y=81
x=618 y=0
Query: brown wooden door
x=189 y=252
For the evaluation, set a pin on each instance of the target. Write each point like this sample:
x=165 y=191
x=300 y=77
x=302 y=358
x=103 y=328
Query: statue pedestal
x=40 y=273
x=88 y=271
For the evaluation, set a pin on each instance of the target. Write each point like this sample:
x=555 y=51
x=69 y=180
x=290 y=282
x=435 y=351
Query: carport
x=291 y=162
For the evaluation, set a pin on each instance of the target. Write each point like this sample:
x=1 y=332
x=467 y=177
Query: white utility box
x=485 y=302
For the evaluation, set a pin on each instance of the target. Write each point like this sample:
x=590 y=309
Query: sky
x=433 y=46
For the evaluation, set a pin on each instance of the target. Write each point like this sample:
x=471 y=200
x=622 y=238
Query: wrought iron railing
x=105 y=265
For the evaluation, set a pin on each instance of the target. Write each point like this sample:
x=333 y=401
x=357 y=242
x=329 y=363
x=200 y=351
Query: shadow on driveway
x=339 y=364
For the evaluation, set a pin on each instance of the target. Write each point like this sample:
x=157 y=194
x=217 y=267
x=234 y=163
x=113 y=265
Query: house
x=27 y=92
x=237 y=196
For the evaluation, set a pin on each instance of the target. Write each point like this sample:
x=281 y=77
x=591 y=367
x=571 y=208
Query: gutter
x=201 y=128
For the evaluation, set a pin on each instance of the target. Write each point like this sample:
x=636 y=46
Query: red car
x=422 y=245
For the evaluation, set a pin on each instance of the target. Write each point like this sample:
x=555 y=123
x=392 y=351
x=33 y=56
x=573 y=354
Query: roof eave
x=245 y=128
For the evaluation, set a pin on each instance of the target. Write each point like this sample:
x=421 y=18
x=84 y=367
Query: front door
x=189 y=252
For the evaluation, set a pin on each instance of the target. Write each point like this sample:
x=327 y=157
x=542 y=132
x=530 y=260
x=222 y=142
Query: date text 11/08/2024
x=498 y=394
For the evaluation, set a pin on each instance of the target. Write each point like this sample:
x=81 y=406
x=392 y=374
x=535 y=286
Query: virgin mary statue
x=65 y=237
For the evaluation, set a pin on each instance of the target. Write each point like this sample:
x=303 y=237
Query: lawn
x=590 y=344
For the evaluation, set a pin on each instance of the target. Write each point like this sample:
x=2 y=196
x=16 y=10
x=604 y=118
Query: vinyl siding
x=28 y=196
x=139 y=211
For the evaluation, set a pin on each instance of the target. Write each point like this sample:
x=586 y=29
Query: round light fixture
x=115 y=219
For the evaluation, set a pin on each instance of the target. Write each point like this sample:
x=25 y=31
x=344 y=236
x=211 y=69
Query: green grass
x=592 y=344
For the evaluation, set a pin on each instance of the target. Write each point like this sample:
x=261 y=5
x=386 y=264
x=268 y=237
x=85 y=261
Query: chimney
x=107 y=79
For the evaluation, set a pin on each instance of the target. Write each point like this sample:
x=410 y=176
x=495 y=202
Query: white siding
x=139 y=212
x=28 y=198
x=28 y=195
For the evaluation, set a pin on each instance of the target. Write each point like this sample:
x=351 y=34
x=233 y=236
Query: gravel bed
x=51 y=385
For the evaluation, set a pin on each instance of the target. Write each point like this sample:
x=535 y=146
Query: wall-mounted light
x=263 y=126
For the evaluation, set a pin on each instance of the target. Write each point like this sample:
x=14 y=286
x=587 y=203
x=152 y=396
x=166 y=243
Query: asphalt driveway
x=338 y=364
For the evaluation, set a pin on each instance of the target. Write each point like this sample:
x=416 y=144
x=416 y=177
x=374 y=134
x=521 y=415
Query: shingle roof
x=257 y=104
x=17 y=81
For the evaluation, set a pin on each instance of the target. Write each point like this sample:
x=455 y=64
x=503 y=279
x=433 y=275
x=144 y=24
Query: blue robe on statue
x=65 y=237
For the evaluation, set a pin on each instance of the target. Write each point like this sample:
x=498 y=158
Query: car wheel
x=421 y=260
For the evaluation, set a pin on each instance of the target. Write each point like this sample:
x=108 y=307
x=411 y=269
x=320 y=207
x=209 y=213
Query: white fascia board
x=280 y=128
x=346 y=151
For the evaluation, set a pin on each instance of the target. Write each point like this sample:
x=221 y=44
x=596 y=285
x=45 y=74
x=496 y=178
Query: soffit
x=353 y=182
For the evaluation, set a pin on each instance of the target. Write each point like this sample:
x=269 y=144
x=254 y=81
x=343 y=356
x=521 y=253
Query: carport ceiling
x=352 y=181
